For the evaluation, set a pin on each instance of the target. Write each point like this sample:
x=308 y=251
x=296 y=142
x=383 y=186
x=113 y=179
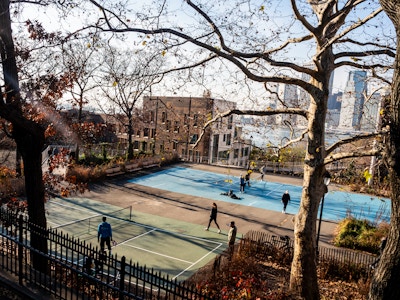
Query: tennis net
x=89 y=224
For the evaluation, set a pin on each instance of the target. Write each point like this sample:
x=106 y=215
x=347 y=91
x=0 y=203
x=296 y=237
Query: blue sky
x=221 y=85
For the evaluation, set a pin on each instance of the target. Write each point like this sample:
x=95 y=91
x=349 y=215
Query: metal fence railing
x=342 y=256
x=68 y=275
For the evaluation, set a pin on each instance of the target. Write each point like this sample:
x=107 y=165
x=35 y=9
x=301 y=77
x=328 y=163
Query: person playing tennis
x=104 y=234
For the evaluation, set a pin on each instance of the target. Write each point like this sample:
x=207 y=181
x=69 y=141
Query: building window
x=136 y=145
x=228 y=139
x=138 y=133
x=194 y=138
x=223 y=154
x=153 y=133
x=162 y=148
x=195 y=120
x=235 y=134
x=168 y=125
x=146 y=132
x=236 y=153
x=176 y=126
x=163 y=117
x=230 y=121
x=151 y=116
x=174 y=145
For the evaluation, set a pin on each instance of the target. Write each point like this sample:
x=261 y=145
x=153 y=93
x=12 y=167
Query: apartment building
x=175 y=125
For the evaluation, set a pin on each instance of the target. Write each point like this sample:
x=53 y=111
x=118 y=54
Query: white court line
x=76 y=221
x=152 y=252
x=52 y=223
x=152 y=229
x=272 y=191
x=137 y=224
x=200 y=259
x=160 y=254
x=168 y=256
x=140 y=235
x=73 y=207
x=175 y=233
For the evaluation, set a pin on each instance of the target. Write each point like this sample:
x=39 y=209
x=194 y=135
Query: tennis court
x=263 y=194
x=178 y=251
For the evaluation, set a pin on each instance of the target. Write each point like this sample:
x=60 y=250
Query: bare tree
x=386 y=275
x=28 y=135
x=239 y=37
x=27 y=113
x=126 y=77
x=82 y=59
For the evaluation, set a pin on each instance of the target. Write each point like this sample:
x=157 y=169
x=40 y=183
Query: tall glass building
x=353 y=101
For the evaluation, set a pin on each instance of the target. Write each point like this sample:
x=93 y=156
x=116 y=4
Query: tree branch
x=364 y=136
x=346 y=31
x=342 y=155
x=271 y=112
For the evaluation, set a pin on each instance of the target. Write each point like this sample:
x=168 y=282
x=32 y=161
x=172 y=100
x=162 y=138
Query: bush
x=92 y=160
x=239 y=278
x=331 y=270
x=82 y=173
x=360 y=235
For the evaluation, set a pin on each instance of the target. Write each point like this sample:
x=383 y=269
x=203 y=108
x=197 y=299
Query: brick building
x=174 y=125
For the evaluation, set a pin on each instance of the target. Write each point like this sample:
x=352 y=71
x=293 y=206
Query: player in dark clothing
x=285 y=201
x=104 y=235
x=213 y=217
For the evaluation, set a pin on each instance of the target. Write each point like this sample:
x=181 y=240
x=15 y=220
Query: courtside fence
x=77 y=270
x=263 y=243
x=69 y=275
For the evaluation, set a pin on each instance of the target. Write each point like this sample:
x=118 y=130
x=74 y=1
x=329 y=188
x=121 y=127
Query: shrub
x=331 y=269
x=82 y=173
x=360 y=234
x=238 y=279
x=92 y=160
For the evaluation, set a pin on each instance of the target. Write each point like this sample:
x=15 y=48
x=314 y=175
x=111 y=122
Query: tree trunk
x=31 y=145
x=28 y=135
x=303 y=277
x=130 y=133
x=384 y=284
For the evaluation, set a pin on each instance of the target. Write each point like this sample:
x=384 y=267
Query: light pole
x=327 y=180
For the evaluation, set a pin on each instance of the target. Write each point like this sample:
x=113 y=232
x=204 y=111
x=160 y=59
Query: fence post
x=122 y=278
x=20 y=249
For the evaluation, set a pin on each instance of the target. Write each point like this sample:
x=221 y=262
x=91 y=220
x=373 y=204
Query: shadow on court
x=172 y=247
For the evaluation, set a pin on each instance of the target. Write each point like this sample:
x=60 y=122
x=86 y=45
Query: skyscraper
x=287 y=94
x=353 y=101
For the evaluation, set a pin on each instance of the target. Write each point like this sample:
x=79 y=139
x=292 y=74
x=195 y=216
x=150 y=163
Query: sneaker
x=206 y=229
x=219 y=230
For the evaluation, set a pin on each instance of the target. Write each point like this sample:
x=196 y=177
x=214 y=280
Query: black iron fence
x=262 y=242
x=77 y=270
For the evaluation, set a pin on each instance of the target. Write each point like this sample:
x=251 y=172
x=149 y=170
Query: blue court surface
x=264 y=194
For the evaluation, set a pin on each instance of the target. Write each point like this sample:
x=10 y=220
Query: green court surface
x=173 y=247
